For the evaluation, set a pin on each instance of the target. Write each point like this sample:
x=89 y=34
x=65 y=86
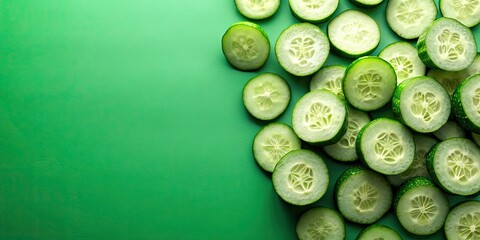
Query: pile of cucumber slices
x=406 y=123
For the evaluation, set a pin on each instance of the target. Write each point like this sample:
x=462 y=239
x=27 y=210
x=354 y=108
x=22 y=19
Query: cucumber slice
x=344 y=150
x=353 y=34
x=316 y=11
x=246 y=46
x=476 y=138
x=448 y=45
x=466 y=103
x=320 y=223
x=420 y=206
x=455 y=165
x=257 y=9
x=422 y=103
x=404 y=59
x=329 y=78
x=362 y=196
x=272 y=142
x=320 y=117
x=302 y=48
x=463 y=221
x=449 y=79
x=409 y=18
x=451 y=129
x=366 y=3
x=418 y=168
x=386 y=146
x=465 y=11
x=475 y=67
x=369 y=83
x=378 y=232
x=300 y=177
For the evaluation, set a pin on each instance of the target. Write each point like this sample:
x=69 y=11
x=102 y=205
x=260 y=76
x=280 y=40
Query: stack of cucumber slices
x=404 y=123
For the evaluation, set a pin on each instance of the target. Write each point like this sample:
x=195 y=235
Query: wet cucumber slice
x=246 y=46
x=257 y=9
x=404 y=59
x=320 y=223
x=409 y=18
x=378 y=232
x=313 y=11
x=467 y=11
x=463 y=221
x=466 y=103
x=329 y=78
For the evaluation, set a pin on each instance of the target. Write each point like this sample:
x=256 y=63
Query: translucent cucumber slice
x=404 y=59
x=329 y=78
x=257 y=9
x=378 y=232
x=314 y=11
x=465 y=11
x=466 y=103
x=320 y=223
x=409 y=18
x=463 y=221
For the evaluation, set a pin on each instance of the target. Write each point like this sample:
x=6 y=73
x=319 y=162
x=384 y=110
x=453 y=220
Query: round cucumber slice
x=386 y=146
x=378 y=232
x=463 y=221
x=272 y=142
x=316 y=11
x=320 y=223
x=465 y=11
x=409 y=18
x=329 y=78
x=404 y=59
x=366 y=3
x=302 y=48
x=300 y=177
x=246 y=46
x=257 y=9
x=455 y=165
x=450 y=129
x=422 y=103
x=320 y=117
x=449 y=79
x=466 y=103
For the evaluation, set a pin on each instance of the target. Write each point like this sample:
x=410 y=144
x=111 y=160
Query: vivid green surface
x=122 y=120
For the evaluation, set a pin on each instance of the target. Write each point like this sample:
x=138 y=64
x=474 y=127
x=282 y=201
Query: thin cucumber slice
x=344 y=150
x=463 y=221
x=362 y=196
x=320 y=223
x=449 y=79
x=418 y=168
x=448 y=45
x=366 y=3
x=404 y=59
x=300 y=177
x=466 y=103
x=302 y=48
x=257 y=9
x=320 y=117
x=246 y=46
x=266 y=96
x=409 y=18
x=369 y=83
x=329 y=78
x=455 y=165
x=353 y=34
x=450 y=129
x=386 y=146
x=422 y=103
x=316 y=11
x=272 y=142
x=378 y=232
x=421 y=207
x=476 y=138
x=465 y=11
x=475 y=67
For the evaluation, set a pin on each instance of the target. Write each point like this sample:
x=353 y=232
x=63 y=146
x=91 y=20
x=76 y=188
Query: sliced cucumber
x=378 y=232
x=320 y=117
x=314 y=11
x=409 y=18
x=320 y=223
x=448 y=45
x=272 y=142
x=463 y=221
x=476 y=138
x=420 y=206
x=362 y=196
x=353 y=34
x=366 y=3
x=246 y=46
x=475 y=67
x=386 y=146
x=300 y=177
x=266 y=96
x=418 y=168
x=257 y=9
x=422 y=103
x=344 y=150
x=466 y=103
x=450 y=129
x=455 y=165
x=369 y=83
x=449 y=79
x=329 y=78
x=302 y=48
x=465 y=11
x=404 y=59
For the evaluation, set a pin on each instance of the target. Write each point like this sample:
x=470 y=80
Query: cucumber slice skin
x=256 y=14
x=378 y=231
x=409 y=31
x=469 y=20
x=262 y=46
x=459 y=108
x=461 y=218
x=433 y=163
x=320 y=218
x=366 y=4
x=298 y=15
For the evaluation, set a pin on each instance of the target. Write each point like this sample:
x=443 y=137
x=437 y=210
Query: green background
x=123 y=120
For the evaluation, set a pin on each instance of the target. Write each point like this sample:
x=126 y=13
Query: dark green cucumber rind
x=396 y=100
x=363 y=5
x=345 y=175
x=342 y=53
x=422 y=48
x=459 y=111
x=409 y=185
x=376 y=225
x=316 y=21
